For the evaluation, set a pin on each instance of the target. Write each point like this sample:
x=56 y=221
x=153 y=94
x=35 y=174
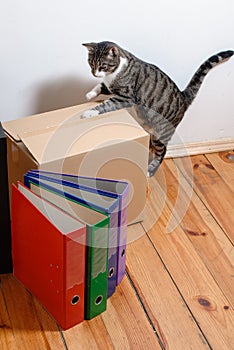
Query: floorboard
x=164 y=304
x=223 y=163
x=209 y=185
x=206 y=235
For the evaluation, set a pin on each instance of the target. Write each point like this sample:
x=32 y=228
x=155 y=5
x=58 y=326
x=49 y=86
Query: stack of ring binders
x=69 y=238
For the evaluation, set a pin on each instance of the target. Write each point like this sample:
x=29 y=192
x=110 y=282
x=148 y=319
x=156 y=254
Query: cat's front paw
x=89 y=113
x=90 y=95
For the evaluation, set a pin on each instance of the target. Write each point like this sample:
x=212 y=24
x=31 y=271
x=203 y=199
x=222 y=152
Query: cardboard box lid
x=59 y=134
x=43 y=121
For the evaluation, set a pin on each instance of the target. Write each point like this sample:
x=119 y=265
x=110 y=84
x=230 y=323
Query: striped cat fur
x=159 y=104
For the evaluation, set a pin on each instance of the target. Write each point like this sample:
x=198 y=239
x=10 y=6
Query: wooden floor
x=178 y=292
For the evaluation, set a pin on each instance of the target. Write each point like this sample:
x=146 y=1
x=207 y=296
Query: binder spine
x=112 y=253
x=96 y=269
x=74 y=277
x=122 y=238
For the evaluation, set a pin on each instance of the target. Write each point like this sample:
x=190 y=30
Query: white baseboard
x=182 y=150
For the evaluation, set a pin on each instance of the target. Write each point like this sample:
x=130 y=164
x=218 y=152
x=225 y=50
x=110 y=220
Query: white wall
x=44 y=67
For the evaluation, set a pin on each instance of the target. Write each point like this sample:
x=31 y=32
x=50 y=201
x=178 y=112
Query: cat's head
x=103 y=58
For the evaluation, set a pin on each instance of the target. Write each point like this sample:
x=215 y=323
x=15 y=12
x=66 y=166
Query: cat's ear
x=113 y=51
x=90 y=46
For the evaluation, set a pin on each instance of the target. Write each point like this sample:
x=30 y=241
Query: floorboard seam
x=145 y=311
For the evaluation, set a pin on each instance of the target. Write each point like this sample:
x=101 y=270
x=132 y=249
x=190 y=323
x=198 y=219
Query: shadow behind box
x=5 y=224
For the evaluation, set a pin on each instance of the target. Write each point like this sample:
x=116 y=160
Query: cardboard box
x=5 y=225
x=112 y=145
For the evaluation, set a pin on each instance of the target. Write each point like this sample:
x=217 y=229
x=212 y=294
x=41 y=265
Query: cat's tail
x=196 y=81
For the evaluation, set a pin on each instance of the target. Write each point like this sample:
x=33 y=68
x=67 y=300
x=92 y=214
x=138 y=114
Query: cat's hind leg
x=157 y=153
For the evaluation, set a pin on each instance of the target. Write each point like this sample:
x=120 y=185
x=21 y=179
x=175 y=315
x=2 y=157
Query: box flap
x=43 y=121
x=76 y=136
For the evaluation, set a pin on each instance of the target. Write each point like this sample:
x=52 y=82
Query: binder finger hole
x=75 y=300
x=99 y=300
x=123 y=253
x=111 y=272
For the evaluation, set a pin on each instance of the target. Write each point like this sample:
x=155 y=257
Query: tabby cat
x=159 y=103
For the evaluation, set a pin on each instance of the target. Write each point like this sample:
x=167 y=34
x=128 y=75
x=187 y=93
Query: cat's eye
x=103 y=67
